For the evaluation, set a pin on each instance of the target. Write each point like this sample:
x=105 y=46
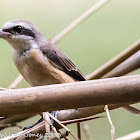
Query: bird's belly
x=38 y=71
x=36 y=76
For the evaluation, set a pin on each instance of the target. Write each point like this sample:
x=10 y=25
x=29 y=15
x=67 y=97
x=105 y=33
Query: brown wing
x=61 y=61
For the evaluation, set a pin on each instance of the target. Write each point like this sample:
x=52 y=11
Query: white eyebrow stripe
x=11 y=24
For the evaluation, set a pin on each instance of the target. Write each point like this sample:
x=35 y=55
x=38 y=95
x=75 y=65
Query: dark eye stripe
x=28 y=32
x=24 y=31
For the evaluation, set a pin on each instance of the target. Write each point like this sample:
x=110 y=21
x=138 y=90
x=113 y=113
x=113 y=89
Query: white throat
x=21 y=44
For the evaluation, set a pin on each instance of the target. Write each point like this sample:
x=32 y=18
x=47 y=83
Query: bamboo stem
x=66 y=96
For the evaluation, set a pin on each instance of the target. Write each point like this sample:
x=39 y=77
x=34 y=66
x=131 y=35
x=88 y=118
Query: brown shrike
x=38 y=60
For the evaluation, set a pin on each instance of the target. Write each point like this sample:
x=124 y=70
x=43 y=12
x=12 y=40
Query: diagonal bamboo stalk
x=129 y=65
x=110 y=65
x=79 y=20
x=16 y=82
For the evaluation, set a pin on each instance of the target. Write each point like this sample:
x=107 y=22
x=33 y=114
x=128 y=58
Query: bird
x=38 y=60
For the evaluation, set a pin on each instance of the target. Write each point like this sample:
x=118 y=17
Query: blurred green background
x=102 y=36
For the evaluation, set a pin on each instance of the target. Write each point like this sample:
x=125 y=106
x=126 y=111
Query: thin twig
x=110 y=122
x=16 y=82
x=79 y=130
x=63 y=126
x=47 y=121
x=79 y=20
x=48 y=125
x=80 y=120
x=1 y=89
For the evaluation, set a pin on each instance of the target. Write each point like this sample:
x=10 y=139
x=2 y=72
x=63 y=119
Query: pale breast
x=37 y=70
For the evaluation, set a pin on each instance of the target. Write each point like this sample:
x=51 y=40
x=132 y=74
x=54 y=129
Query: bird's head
x=21 y=34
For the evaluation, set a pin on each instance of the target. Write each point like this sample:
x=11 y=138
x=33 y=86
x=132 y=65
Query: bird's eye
x=17 y=29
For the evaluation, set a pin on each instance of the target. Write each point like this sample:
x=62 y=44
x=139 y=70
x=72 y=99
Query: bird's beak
x=4 y=34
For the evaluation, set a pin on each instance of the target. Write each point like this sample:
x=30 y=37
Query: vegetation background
x=102 y=36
